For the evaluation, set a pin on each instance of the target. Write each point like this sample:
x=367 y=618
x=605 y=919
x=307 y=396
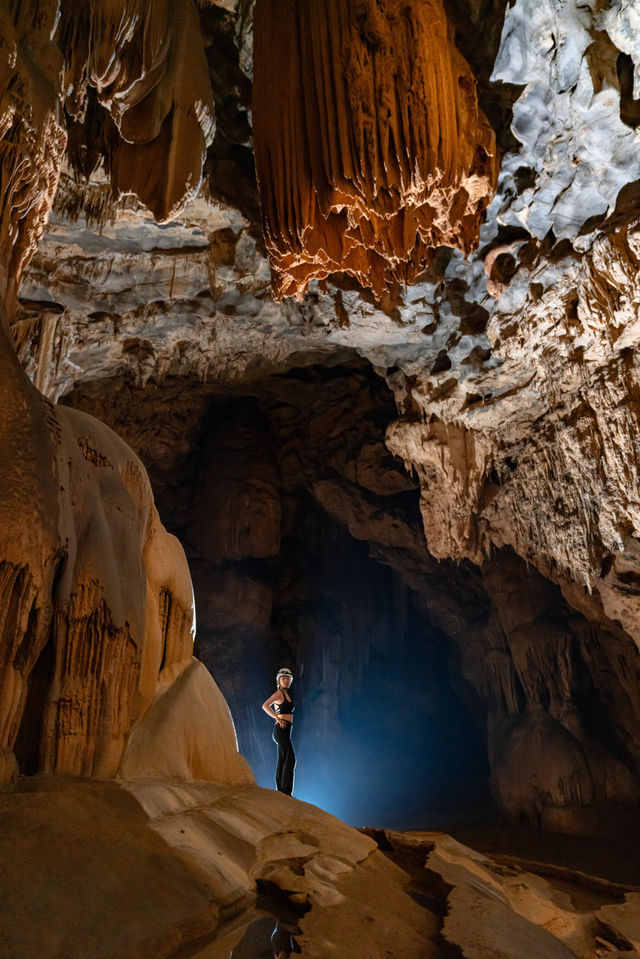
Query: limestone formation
x=133 y=54
x=177 y=866
x=371 y=150
x=97 y=603
x=508 y=907
x=32 y=136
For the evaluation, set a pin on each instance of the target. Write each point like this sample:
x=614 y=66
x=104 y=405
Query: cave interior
x=319 y=349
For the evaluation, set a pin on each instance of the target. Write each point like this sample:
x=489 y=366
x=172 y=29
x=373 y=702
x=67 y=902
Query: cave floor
x=581 y=894
x=616 y=860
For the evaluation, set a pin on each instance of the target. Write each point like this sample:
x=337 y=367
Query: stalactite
x=32 y=139
x=371 y=149
x=134 y=53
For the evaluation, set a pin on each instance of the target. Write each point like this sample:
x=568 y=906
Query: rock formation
x=127 y=91
x=511 y=907
x=96 y=596
x=371 y=150
x=32 y=138
x=175 y=865
x=97 y=602
x=461 y=427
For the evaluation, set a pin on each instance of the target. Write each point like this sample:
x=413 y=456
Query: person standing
x=280 y=707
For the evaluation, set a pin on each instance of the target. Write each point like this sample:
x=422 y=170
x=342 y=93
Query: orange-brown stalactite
x=32 y=139
x=370 y=147
x=146 y=60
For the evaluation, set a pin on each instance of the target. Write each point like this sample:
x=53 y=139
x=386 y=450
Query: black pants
x=286 y=758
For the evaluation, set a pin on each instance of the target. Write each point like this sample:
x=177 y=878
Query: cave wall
x=563 y=731
x=513 y=369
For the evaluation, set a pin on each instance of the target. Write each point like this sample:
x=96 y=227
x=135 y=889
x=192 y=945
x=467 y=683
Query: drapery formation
x=146 y=61
x=119 y=67
x=370 y=147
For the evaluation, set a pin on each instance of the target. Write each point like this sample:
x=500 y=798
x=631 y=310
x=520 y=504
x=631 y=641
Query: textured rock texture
x=97 y=603
x=513 y=370
x=128 y=59
x=540 y=677
x=32 y=139
x=176 y=866
x=371 y=150
x=509 y=907
x=98 y=621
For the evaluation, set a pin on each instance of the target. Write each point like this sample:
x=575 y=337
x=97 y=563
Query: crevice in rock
x=629 y=108
x=28 y=740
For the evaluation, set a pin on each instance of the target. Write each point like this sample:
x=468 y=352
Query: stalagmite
x=371 y=149
x=96 y=599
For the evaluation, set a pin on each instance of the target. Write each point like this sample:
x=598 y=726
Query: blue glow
x=403 y=753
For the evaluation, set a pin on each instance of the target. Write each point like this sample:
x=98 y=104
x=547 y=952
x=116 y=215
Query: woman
x=280 y=707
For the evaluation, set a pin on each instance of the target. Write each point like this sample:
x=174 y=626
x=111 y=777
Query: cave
x=318 y=338
x=266 y=501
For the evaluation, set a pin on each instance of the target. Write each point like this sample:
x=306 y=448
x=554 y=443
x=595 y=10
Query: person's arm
x=267 y=706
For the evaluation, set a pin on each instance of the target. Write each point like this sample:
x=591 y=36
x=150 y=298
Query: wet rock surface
x=174 y=865
x=514 y=905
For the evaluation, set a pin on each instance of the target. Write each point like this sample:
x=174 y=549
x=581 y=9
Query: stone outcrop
x=97 y=600
x=178 y=865
x=371 y=150
x=510 y=907
x=561 y=495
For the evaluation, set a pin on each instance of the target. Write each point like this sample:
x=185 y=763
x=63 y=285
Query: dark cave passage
x=303 y=535
x=380 y=734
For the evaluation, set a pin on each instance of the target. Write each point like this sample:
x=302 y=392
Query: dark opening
x=27 y=748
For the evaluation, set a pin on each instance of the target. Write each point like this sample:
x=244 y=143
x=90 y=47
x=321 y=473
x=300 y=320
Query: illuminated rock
x=97 y=602
x=133 y=52
x=186 y=733
x=32 y=137
x=371 y=149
